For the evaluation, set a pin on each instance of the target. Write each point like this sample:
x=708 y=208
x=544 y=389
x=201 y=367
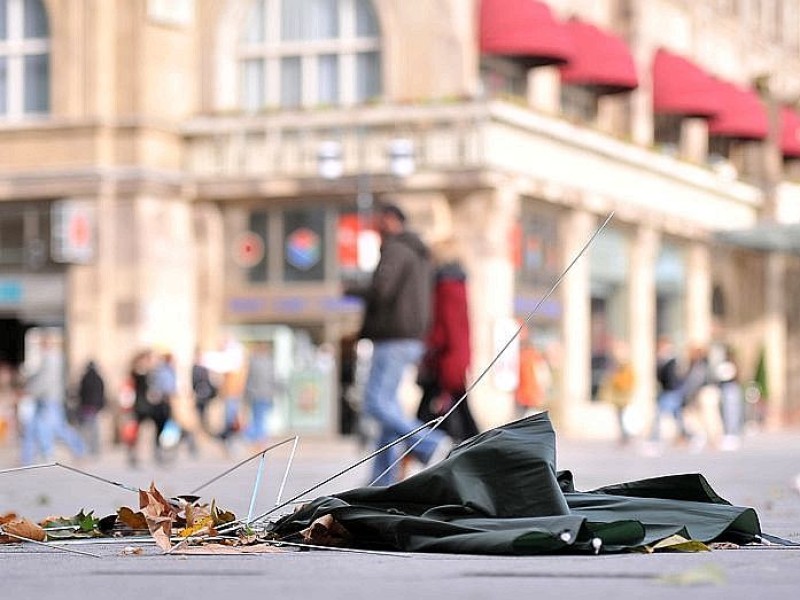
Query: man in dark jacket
x=396 y=319
x=91 y=400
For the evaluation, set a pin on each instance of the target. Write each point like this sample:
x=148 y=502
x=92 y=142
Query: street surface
x=762 y=475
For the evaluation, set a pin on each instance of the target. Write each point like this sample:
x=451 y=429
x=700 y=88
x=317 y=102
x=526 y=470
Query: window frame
x=272 y=51
x=14 y=49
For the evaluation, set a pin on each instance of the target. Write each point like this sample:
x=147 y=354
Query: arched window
x=24 y=59
x=301 y=53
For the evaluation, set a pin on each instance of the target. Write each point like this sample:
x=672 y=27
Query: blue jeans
x=389 y=361
x=670 y=402
x=257 y=430
x=49 y=424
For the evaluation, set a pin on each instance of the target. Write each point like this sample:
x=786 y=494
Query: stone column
x=484 y=221
x=698 y=294
x=544 y=89
x=642 y=307
x=91 y=300
x=775 y=338
x=576 y=228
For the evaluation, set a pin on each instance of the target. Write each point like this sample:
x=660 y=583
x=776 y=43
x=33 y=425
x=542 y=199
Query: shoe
x=441 y=451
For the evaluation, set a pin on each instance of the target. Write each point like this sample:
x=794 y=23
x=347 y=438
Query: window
x=24 y=59
x=301 y=53
x=579 y=103
x=667 y=133
x=503 y=77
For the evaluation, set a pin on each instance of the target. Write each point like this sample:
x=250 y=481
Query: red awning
x=742 y=115
x=680 y=87
x=602 y=60
x=524 y=30
x=790 y=133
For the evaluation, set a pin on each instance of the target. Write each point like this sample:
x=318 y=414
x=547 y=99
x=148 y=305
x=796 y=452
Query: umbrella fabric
x=499 y=493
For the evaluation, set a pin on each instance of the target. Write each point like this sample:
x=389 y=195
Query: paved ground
x=762 y=475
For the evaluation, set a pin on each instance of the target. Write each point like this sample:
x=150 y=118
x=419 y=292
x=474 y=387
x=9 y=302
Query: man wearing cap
x=396 y=319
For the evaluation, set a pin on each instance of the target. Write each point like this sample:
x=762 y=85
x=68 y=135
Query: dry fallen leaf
x=129 y=518
x=159 y=515
x=132 y=551
x=326 y=531
x=22 y=528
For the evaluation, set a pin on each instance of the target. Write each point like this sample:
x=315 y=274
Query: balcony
x=267 y=155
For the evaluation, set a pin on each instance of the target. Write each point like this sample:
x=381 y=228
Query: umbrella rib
x=45 y=544
x=74 y=470
x=242 y=463
x=233 y=524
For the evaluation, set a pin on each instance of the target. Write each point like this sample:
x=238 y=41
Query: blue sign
x=303 y=249
x=10 y=292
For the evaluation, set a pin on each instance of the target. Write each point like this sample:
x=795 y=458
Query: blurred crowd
x=44 y=413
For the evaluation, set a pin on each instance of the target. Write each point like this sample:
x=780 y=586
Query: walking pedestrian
x=731 y=401
x=670 y=396
x=204 y=390
x=148 y=404
x=260 y=388
x=447 y=354
x=617 y=387
x=397 y=318
x=47 y=422
x=91 y=400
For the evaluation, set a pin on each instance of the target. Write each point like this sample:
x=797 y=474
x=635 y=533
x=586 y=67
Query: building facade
x=177 y=173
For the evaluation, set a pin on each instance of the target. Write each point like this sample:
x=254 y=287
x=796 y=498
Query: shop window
x=535 y=248
x=300 y=53
x=24 y=59
x=579 y=103
x=24 y=237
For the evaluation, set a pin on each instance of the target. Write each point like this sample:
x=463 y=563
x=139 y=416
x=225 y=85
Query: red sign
x=347 y=241
x=249 y=249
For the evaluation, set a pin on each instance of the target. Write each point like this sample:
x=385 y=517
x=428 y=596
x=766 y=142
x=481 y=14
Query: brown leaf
x=326 y=531
x=223 y=549
x=131 y=519
x=159 y=515
x=132 y=551
x=23 y=528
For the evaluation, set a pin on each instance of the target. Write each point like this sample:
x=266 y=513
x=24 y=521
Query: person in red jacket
x=443 y=370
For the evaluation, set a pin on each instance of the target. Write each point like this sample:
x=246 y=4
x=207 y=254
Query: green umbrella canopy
x=500 y=493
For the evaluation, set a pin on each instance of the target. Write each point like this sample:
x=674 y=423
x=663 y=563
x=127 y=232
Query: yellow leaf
x=205 y=524
x=678 y=543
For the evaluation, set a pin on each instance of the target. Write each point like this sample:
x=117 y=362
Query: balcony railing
x=491 y=136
